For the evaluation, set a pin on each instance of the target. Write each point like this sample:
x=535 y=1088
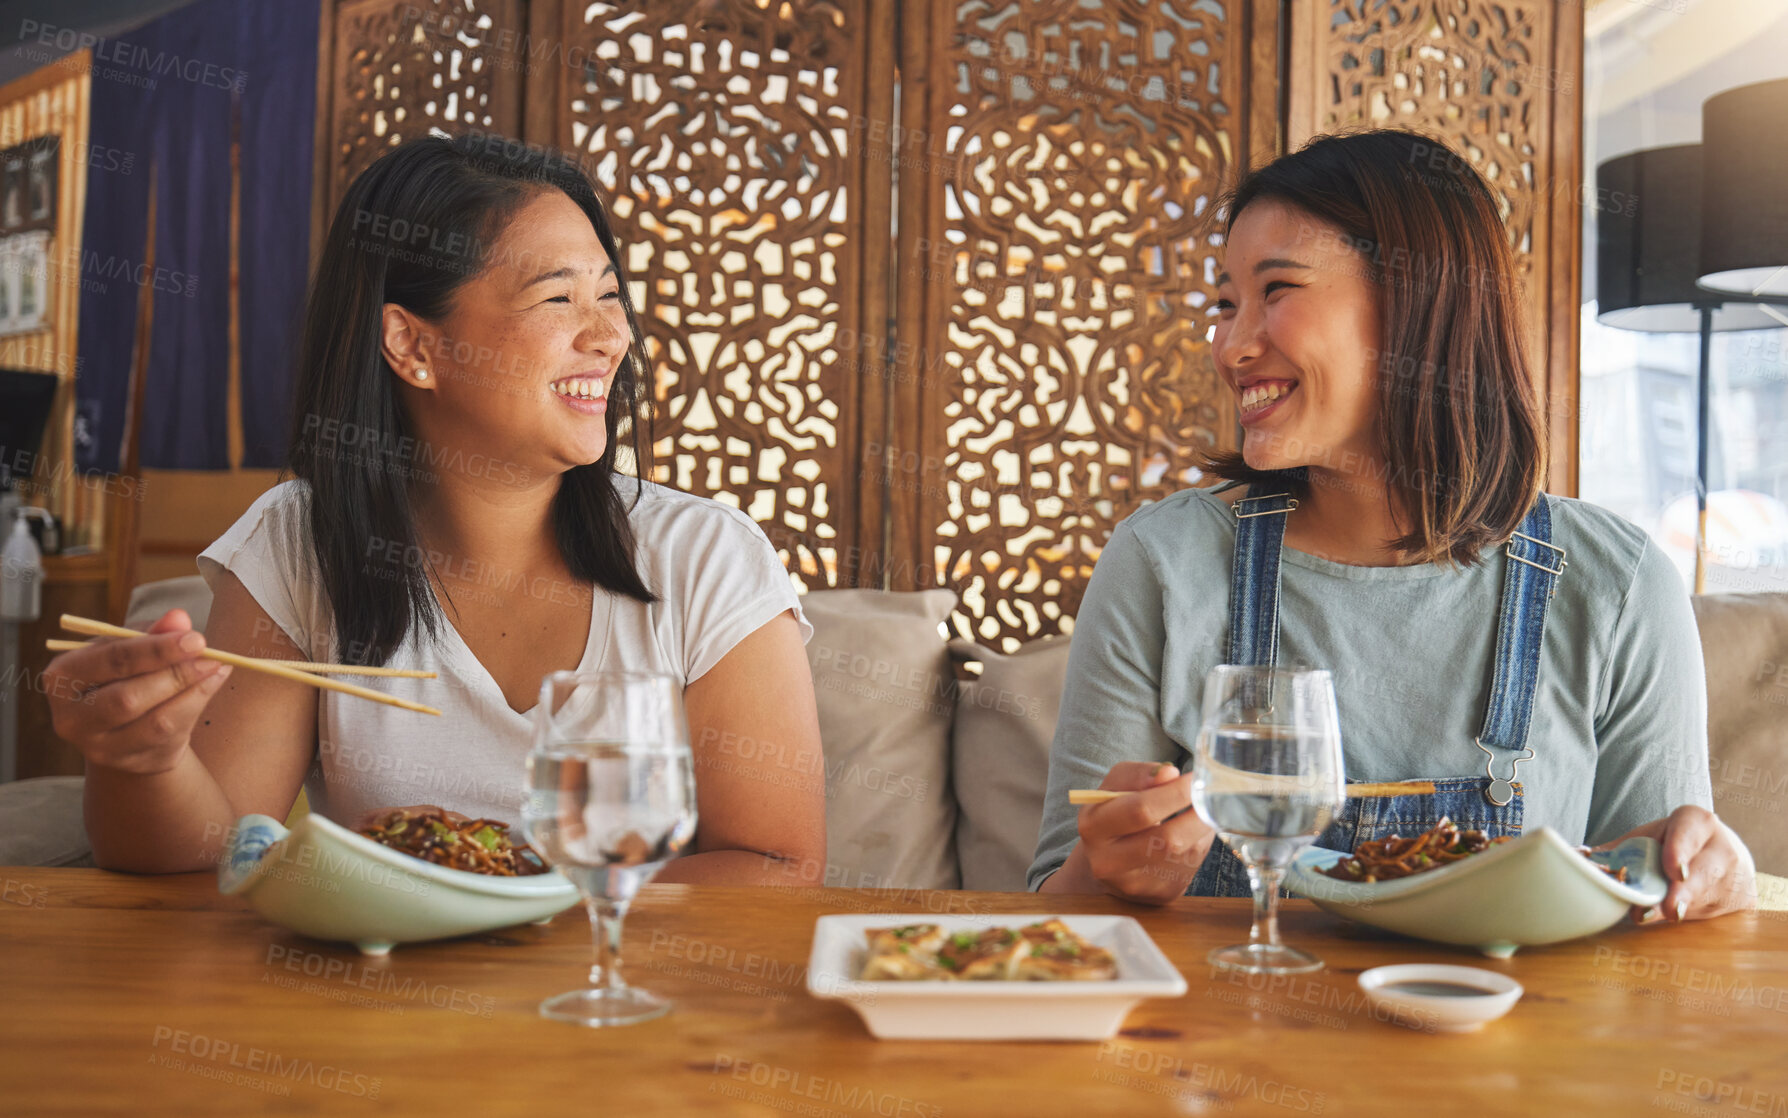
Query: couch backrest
x=881 y=679
x=1744 y=639
x=150 y=600
x=1006 y=710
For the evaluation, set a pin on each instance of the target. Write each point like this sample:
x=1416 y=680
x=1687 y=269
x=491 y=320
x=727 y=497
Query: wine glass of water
x=611 y=799
x=1266 y=774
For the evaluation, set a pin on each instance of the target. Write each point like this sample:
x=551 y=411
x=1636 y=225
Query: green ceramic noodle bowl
x=1532 y=890
x=324 y=880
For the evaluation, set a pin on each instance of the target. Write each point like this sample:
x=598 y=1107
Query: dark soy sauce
x=1433 y=989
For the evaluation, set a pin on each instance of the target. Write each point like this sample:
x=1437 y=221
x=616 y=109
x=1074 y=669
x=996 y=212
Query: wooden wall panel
x=1057 y=278
x=732 y=138
x=1500 y=81
x=402 y=66
x=54 y=101
x=956 y=347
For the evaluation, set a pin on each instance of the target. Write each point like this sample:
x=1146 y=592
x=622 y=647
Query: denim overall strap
x=1530 y=579
x=1253 y=640
x=1254 y=579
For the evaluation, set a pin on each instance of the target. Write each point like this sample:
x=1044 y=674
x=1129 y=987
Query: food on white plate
x=1047 y=951
x=904 y=954
x=450 y=839
x=1056 y=954
x=1442 y=845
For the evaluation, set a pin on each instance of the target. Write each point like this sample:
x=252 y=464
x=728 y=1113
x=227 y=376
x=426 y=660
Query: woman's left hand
x=1708 y=866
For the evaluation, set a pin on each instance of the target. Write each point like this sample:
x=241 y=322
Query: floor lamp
x=1744 y=203
x=1649 y=256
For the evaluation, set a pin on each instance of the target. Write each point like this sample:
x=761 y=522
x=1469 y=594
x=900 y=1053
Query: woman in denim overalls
x=1389 y=419
x=1487 y=803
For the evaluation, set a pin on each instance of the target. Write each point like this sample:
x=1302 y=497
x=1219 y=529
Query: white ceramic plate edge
x=835 y=969
x=1443 y=1013
x=1347 y=893
x=946 y=1010
x=242 y=875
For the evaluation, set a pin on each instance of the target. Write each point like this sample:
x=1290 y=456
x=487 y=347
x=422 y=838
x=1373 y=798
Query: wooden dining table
x=126 y=995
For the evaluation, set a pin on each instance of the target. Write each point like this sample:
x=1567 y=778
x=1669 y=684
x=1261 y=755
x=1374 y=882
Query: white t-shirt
x=716 y=576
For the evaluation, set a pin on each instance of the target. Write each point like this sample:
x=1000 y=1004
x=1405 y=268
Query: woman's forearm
x=169 y=822
x=1074 y=876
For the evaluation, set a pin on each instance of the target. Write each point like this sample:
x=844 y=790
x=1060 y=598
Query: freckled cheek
x=1297 y=331
x=1340 y=395
x=527 y=354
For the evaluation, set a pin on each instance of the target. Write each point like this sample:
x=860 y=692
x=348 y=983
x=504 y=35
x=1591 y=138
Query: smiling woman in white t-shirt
x=471 y=365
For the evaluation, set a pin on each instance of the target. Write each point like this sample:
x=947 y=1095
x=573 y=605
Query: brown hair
x=1461 y=430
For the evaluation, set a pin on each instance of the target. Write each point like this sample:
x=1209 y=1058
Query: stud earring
x=421 y=374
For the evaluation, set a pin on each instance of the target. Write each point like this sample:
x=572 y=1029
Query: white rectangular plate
x=953 y=1010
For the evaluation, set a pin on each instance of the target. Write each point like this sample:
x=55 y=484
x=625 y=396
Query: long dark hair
x=413 y=228
x=1462 y=432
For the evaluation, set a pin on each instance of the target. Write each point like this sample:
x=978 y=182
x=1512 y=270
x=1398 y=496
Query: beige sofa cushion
x=1005 y=718
x=1744 y=638
x=152 y=599
x=41 y=824
x=881 y=676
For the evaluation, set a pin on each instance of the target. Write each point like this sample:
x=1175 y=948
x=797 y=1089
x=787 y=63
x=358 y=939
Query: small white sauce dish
x=1440 y=998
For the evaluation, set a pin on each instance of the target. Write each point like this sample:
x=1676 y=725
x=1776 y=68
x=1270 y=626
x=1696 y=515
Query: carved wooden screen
x=1498 y=79
x=1057 y=276
x=1055 y=161
x=404 y=66
x=731 y=136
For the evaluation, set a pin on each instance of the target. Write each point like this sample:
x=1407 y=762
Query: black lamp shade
x=1744 y=223
x=1648 y=250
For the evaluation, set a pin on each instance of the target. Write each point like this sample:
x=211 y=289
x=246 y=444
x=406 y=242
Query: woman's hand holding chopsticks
x=1144 y=845
x=131 y=704
x=130 y=701
x=308 y=674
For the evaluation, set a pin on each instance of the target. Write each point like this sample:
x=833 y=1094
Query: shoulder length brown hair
x=1462 y=436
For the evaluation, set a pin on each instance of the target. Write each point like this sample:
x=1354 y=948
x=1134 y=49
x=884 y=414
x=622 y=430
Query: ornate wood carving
x=1497 y=79
x=402 y=66
x=1059 y=281
x=1471 y=71
x=730 y=137
x=1046 y=370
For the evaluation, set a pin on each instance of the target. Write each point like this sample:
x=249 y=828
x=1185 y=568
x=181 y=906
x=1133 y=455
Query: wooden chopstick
x=55 y=645
x=89 y=627
x=1391 y=788
x=1387 y=788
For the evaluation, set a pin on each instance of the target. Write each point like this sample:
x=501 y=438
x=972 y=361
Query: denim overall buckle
x=1290 y=503
x=1509 y=551
x=1501 y=791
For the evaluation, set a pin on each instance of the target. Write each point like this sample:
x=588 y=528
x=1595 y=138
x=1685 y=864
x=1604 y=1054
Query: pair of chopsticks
x=309 y=674
x=1387 y=788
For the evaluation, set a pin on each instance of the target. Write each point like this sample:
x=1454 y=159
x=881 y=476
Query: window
x=1648 y=68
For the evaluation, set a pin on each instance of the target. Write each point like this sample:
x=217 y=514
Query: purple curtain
x=195 y=75
x=114 y=234
x=185 y=421
x=278 y=127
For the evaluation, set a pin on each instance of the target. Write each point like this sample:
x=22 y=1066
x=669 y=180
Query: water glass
x=611 y=799
x=1267 y=776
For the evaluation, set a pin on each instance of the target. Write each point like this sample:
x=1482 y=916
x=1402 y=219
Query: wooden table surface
x=128 y=995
